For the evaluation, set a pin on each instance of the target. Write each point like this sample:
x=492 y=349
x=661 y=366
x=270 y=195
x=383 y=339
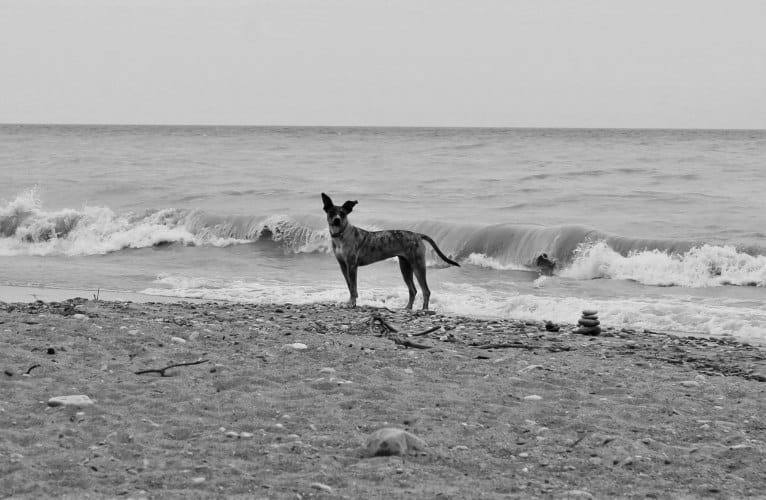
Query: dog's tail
x=439 y=252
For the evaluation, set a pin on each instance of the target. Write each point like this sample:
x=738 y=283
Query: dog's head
x=337 y=216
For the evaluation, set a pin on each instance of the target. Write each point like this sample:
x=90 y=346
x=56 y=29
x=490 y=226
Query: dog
x=354 y=247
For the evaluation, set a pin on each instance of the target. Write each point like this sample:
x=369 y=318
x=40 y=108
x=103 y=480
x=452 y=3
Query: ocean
x=656 y=229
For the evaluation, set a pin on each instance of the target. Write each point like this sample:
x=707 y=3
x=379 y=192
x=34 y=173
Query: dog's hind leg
x=420 y=273
x=406 y=268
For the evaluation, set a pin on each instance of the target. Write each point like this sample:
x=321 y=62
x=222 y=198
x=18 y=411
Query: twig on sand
x=161 y=371
x=517 y=345
x=32 y=368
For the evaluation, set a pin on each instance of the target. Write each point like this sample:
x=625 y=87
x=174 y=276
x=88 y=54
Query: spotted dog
x=354 y=247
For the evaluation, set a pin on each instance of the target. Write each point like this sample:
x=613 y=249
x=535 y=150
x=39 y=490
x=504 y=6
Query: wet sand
x=508 y=409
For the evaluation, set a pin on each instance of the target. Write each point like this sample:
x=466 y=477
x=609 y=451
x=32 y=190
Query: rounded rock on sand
x=589 y=312
x=297 y=346
x=392 y=441
x=588 y=322
x=589 y=330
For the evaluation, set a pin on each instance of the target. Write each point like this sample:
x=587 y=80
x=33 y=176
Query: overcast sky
x=507 y=63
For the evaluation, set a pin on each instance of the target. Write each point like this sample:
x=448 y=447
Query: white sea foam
x=26 y=228
x=702 y=266
x=679 y=314
x=481 y=260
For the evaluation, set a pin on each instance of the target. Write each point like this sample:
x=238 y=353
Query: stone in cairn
x=589 y=323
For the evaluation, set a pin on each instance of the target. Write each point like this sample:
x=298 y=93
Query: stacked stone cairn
x=589 y=323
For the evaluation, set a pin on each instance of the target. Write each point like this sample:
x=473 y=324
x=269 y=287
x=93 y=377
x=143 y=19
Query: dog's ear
x=328 y=204
x=349 y=205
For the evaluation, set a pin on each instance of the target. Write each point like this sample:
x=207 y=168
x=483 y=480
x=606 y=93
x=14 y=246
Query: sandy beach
x=276 y=401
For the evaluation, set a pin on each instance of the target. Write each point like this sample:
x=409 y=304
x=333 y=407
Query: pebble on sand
x=533 y=397
x=297 y=346
x=392 y=441
x=75 y=400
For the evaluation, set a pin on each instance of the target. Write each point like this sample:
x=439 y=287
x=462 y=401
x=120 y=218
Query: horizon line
x=480 y=127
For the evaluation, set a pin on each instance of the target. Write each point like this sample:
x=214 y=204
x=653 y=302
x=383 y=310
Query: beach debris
x=178 y=340
x=8 y=372
x=533 y=397
x=161 y=371
x=78 y=400
x=589 y=323
x=392 y=441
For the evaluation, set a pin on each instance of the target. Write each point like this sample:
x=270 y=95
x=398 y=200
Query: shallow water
x=655 y=229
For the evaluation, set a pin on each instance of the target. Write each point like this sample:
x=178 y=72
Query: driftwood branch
x=430 y=330
x=378 y=318
x=32 y=368
x=161 y=371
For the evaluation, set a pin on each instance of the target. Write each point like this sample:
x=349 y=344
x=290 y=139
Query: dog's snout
x=336 y=221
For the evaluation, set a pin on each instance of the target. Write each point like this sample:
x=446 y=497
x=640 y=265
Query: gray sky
x=525 y=63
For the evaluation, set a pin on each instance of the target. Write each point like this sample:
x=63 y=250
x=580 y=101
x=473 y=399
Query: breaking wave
x=575 y=252
x=26 y=228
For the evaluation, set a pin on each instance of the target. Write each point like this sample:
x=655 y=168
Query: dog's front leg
x=344 y=269
x=352 y=267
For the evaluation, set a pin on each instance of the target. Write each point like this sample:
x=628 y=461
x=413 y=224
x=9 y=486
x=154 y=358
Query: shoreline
x=282 y=397
x=30 y=293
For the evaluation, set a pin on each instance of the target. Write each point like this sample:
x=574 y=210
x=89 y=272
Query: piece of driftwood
x=430 y=330
x=409 y=343
x=32 y=368
x=378 y=318
x=161 y=371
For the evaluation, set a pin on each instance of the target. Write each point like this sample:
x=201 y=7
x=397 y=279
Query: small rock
x=327 y=370
x=322 y=487
x=690 y=383
x=232 y=434
x=552 y=327
x=523 y=454
x=246 y=434
x=198 y=480
x=178 y=340
x=76 y=400
x=529 y=368
x=297 y=346
x=8 y=372
x=193 y=336
x=51 y=350
x=460 y=447
x=392 y=441
x=533 y=397
x=79 y=316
